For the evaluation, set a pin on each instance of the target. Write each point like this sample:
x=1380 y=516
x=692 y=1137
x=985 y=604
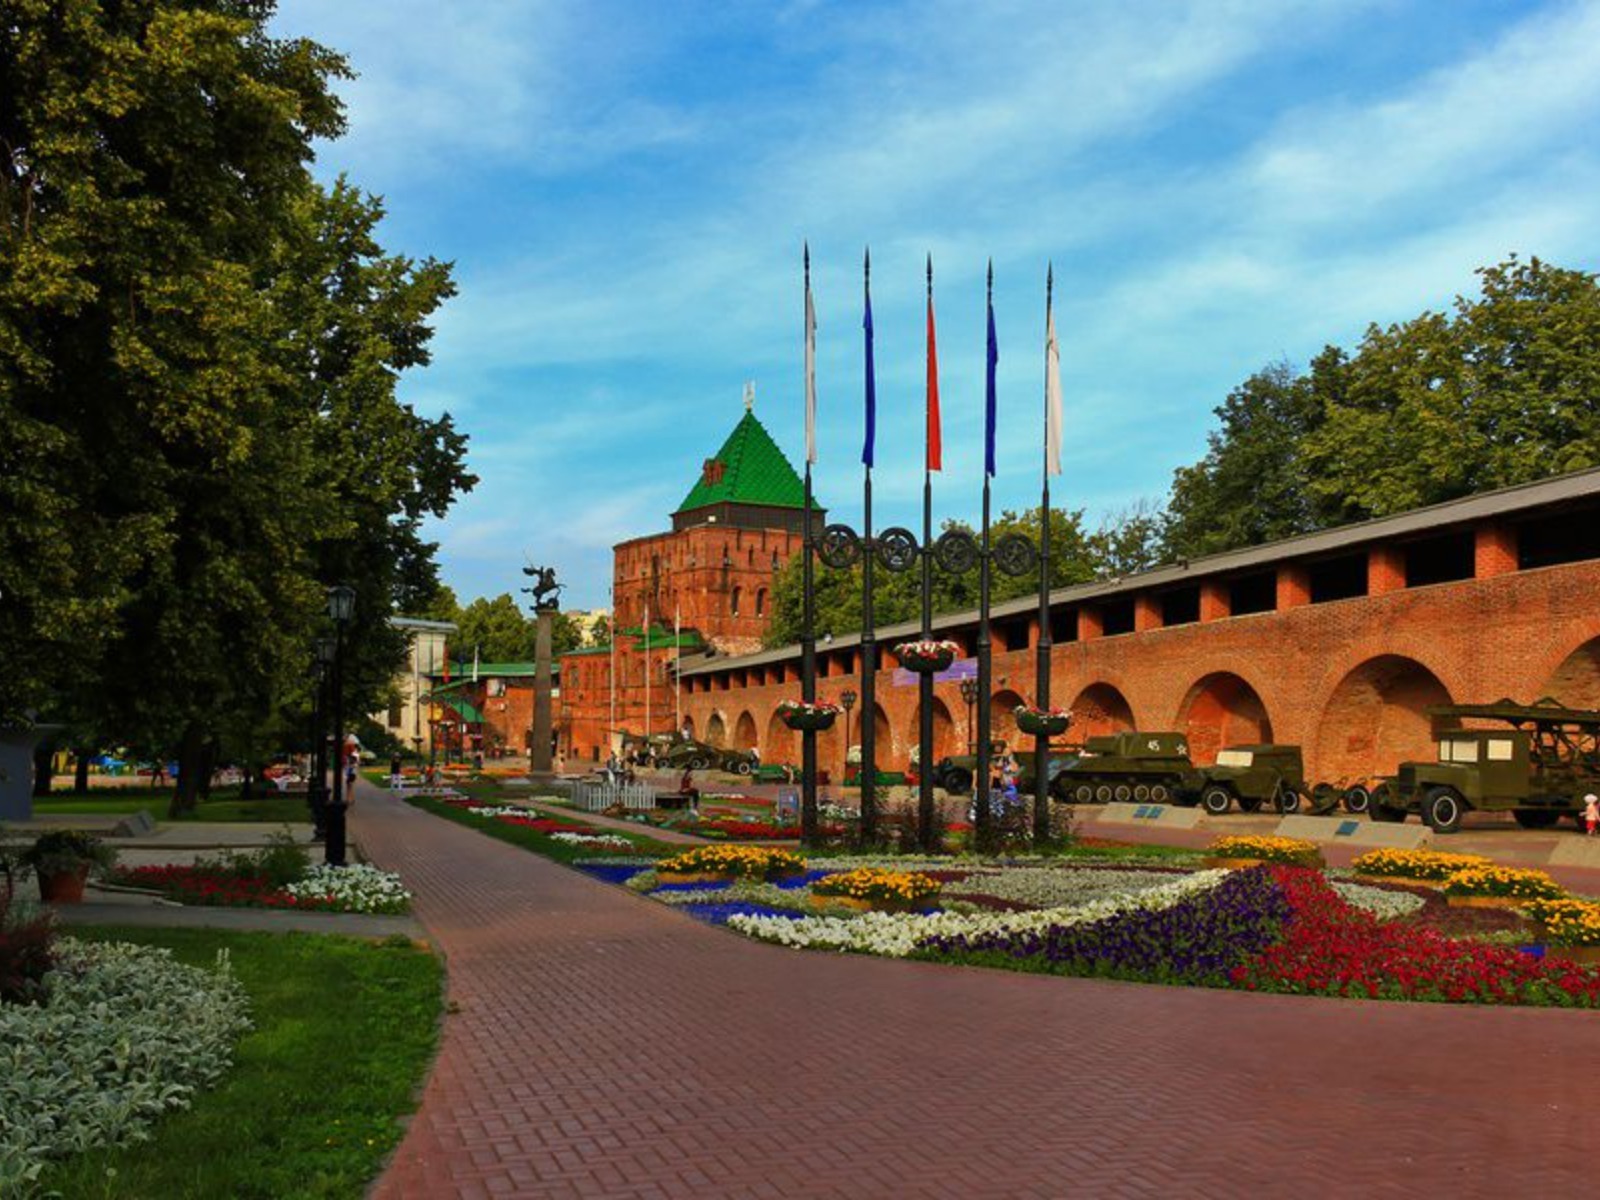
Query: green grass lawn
x=224 y=805
x=532 y=839
x=344 y=1032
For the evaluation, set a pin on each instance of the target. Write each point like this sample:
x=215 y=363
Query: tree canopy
x=199 y=347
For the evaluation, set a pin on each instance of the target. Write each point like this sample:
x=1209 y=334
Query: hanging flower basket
x=926 y=658
x=1047 y=722
x=799 y=715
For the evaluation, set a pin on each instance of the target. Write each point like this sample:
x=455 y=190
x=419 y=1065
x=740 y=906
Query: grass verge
x=224 y=805
x=344 y=1032
x=532 y=839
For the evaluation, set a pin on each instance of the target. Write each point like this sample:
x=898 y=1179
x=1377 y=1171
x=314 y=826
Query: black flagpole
x=1041 y=762
x=808 y=638
x=980 y=777
x=925 y=816
x=868 y=777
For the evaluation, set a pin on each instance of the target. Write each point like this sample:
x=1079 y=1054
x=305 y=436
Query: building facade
x=703 y=587
x=407 y=719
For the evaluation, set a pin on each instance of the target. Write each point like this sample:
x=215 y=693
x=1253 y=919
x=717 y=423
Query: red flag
x=447 y=662
x=935 y=442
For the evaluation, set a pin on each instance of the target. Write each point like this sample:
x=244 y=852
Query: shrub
x=1416 y=864
x=1568 y=922
x=1512 y=883
x=1290 y=852
x=747 y=862
x=57 y=851
x=877 y=886
x=27 y=949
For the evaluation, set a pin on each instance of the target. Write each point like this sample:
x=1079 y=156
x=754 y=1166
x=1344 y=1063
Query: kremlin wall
x=1336 y=641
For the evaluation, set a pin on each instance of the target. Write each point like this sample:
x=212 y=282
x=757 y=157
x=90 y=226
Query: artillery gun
x=1538 y=769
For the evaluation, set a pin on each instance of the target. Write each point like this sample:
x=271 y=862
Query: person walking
x=1591 y=814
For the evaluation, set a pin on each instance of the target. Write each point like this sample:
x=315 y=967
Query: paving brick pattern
x=607 y=1046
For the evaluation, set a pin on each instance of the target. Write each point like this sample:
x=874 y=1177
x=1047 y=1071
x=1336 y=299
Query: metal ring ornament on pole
x=956 y=552
x=1015 y=555
x=897 y=549
x=840 y=547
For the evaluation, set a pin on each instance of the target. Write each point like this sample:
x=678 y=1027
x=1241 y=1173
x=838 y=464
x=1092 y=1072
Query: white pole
x=647 y=674
x=611 y=731
x=677 y=668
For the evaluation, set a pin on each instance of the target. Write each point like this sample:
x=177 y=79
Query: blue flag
x=988 y=396
x=872 y=389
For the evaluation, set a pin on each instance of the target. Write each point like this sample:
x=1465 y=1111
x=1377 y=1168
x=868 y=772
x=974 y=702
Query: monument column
x=539 y=753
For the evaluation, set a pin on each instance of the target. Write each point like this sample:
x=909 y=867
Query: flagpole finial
x=991 y=279
x=930 y=274
x=807 y=245
x=866 y=265
x=749 y=395
x=1049 y=280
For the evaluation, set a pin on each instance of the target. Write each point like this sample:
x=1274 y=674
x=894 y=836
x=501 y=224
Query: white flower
x=1380 y=902
x=358 y=887
x=897 y=934
x=593 y=840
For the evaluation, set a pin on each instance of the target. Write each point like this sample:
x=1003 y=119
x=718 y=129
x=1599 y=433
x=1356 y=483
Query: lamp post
x=341 y=606
x=848 y=701
x=317 y=786
x=969 y=693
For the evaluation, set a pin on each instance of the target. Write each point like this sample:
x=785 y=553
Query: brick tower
x=714 y=571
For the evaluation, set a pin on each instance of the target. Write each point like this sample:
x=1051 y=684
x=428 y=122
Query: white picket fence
x=595 y=797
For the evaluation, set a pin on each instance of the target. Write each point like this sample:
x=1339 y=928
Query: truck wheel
x=1284 y=799
x=1216 y=800
x=1535 y=818
x=696 y=764
x=1357 y=799
x=1442 y=809
x=741 y=768
x=1102 y=793
x=958 y=781
x=1083 y=794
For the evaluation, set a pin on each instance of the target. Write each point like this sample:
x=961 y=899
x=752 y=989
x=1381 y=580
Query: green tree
x=198 y=352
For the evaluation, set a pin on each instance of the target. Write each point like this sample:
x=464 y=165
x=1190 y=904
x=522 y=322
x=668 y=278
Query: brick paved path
x=608 y=1046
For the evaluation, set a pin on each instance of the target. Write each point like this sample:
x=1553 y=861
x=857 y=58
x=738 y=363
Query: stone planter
x=1578 y=954
x=1039 y=725
x=1487 y=901
x=1400 y=881
x=1235 y=864
x=63 y=887
x=884 y=906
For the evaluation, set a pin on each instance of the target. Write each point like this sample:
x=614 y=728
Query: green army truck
x=1250 y=776
x=1538 y=767
x=1138 y=767
x=954 y=772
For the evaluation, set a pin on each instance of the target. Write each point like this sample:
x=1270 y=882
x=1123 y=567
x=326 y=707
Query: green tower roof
x=749 y=469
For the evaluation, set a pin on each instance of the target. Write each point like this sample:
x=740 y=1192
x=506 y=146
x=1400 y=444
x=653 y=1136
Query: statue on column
x=545 y=588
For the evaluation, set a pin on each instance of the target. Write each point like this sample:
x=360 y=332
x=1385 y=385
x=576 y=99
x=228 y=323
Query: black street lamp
x=969 y=693
x=341 y=607
x=317 y=787
x=847 y=699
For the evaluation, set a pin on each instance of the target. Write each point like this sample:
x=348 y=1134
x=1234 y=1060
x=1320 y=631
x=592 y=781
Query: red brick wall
x=1346 y=680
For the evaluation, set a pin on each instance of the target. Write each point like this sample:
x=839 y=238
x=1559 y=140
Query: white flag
x=811 y=377
x=474 y=663
x=1052 y=395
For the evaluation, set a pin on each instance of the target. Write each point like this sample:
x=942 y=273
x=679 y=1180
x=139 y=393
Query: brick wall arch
x=717 y=729
x=782 y=744
x=1375 y=718
x=1571 y=674
x=943 y=731
x=1002 y=717
x=1101 y=708
x=744 y=731
x=1222 y=709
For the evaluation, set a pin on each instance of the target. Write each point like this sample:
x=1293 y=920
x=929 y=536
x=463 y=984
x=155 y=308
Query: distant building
x=407 y=718
x=711 y=575
x=592 y=625
x=484 y=707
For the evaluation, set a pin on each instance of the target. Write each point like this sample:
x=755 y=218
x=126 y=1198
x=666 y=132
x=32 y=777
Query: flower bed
x=1567 y=922
x=1286 y=851
x=594 y=841
x=726 y=862
x=356 y=888
x=877 y=888
x=1330 y=950
x=124 y=1035
x=1506 y=883
x=1425 y=865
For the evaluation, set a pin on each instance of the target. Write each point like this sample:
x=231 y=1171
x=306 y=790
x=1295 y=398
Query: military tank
x=1138 y=767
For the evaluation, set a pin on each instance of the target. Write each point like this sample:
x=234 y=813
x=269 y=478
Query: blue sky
x=624 y=189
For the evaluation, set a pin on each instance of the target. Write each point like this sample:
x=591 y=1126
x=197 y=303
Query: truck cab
x=1484 y=769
